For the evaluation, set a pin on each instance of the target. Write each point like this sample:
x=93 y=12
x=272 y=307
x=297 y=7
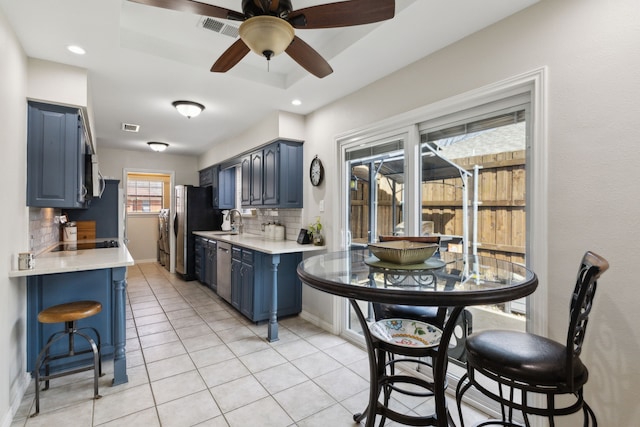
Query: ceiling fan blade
x=231 y=57
x=343 y=14
x=308 y=58
x=194 y=7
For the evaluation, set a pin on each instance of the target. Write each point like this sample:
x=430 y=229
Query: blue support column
x=272 y=333
x=119 y=323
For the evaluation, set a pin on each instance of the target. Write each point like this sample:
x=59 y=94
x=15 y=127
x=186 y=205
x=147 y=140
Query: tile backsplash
x=290 y=218
x=43 y=230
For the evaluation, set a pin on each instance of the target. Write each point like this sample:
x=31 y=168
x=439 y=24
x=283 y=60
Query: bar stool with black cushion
x=528 y=365
x=68 y=313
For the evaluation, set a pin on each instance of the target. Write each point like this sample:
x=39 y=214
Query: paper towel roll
x=279 y=232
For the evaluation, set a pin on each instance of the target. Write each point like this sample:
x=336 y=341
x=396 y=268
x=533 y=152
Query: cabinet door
x=256 y=178
x=289 y=287
x=200 y=258
x=207 y=176
x=290 y=175
x=246 y=298
x=245 y=193
x=55 y=161
x=212 y=264
x=271 y=174
x=227 y=189
x=236 y=282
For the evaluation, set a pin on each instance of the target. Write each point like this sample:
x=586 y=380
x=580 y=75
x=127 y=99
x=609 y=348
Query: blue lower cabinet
x=106 y=286
x=200 y=258
x=252 y=284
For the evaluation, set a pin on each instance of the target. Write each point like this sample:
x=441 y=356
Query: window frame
x=533 y=86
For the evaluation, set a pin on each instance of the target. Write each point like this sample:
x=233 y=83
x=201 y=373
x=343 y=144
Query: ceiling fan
x=268 y=26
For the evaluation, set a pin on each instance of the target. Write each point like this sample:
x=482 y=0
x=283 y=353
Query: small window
x=146 y=194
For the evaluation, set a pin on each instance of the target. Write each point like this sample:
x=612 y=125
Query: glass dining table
x=451 y=281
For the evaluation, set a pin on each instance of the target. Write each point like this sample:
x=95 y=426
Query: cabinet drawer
x=247 y=256
x=236 y=253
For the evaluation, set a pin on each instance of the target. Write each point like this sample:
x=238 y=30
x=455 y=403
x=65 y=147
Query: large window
x=147 y=193
x=460 y=176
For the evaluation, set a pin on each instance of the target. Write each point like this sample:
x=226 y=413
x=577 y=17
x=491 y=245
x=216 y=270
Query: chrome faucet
x=240 y=227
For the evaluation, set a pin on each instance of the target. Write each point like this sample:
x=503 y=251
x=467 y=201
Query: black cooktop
x=68 y=246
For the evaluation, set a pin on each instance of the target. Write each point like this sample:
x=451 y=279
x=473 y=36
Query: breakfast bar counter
x=73 y=275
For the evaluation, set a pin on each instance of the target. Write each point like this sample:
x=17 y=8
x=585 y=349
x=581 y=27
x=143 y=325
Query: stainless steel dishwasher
x=224 y=270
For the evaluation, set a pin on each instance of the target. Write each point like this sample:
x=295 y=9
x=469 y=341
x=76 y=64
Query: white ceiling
x=140 y=59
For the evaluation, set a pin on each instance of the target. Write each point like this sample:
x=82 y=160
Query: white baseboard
x=143 y=261
x=20 y=389
x=317 y=321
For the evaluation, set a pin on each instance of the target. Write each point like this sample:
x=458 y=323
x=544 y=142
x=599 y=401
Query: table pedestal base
x=385 y=382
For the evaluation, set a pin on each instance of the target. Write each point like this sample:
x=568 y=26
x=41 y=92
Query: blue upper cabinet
x=273 y=176
x=269 y=177
x=224 y=197
x=286 y=175
x=245 y=171
x=223 y=185
x=206 y=176
x=55 y=157
x=256 y=179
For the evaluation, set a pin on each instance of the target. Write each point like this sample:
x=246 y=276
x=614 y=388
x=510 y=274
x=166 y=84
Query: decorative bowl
x=403 y=251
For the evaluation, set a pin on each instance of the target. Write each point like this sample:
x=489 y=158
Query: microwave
x=93 y=181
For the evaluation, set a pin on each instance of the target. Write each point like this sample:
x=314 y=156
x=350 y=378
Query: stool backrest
x=591 y=268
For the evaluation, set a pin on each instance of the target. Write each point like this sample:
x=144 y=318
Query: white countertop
x=80 y=260
x=260 y=243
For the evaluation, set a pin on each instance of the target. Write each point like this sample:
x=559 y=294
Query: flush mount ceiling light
x=157 y=146
x=76 y=49
x=266 y=35
x=188 y=108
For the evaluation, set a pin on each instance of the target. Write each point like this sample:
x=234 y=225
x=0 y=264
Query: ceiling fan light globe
x=266 y=35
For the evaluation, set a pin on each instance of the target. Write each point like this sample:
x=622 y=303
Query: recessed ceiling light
x=76 y=49
x=296 y=102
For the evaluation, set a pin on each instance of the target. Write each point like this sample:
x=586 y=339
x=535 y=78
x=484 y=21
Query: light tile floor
x=194 y=361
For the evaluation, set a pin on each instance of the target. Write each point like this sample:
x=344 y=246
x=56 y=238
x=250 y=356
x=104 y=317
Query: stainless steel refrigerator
x=194 y=212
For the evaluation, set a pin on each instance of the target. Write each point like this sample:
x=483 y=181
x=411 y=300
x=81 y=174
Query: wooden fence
x=501 y=213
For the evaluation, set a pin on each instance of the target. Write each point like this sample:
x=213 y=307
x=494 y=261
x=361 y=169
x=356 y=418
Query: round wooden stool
x=68 y=313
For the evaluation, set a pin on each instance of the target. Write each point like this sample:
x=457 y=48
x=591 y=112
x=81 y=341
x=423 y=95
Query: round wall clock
x=316 y=171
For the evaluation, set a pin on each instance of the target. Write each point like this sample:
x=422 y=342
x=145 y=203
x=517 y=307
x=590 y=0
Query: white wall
x=70 y=88
x=113 y=162
x=142 y=231
x=591 y=50
x=143 y=234
x=278 y=124
x=15 y=216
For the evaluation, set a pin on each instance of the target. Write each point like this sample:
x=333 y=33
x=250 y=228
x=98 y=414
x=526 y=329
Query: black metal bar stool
x=68 y=313
x=513 y=368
